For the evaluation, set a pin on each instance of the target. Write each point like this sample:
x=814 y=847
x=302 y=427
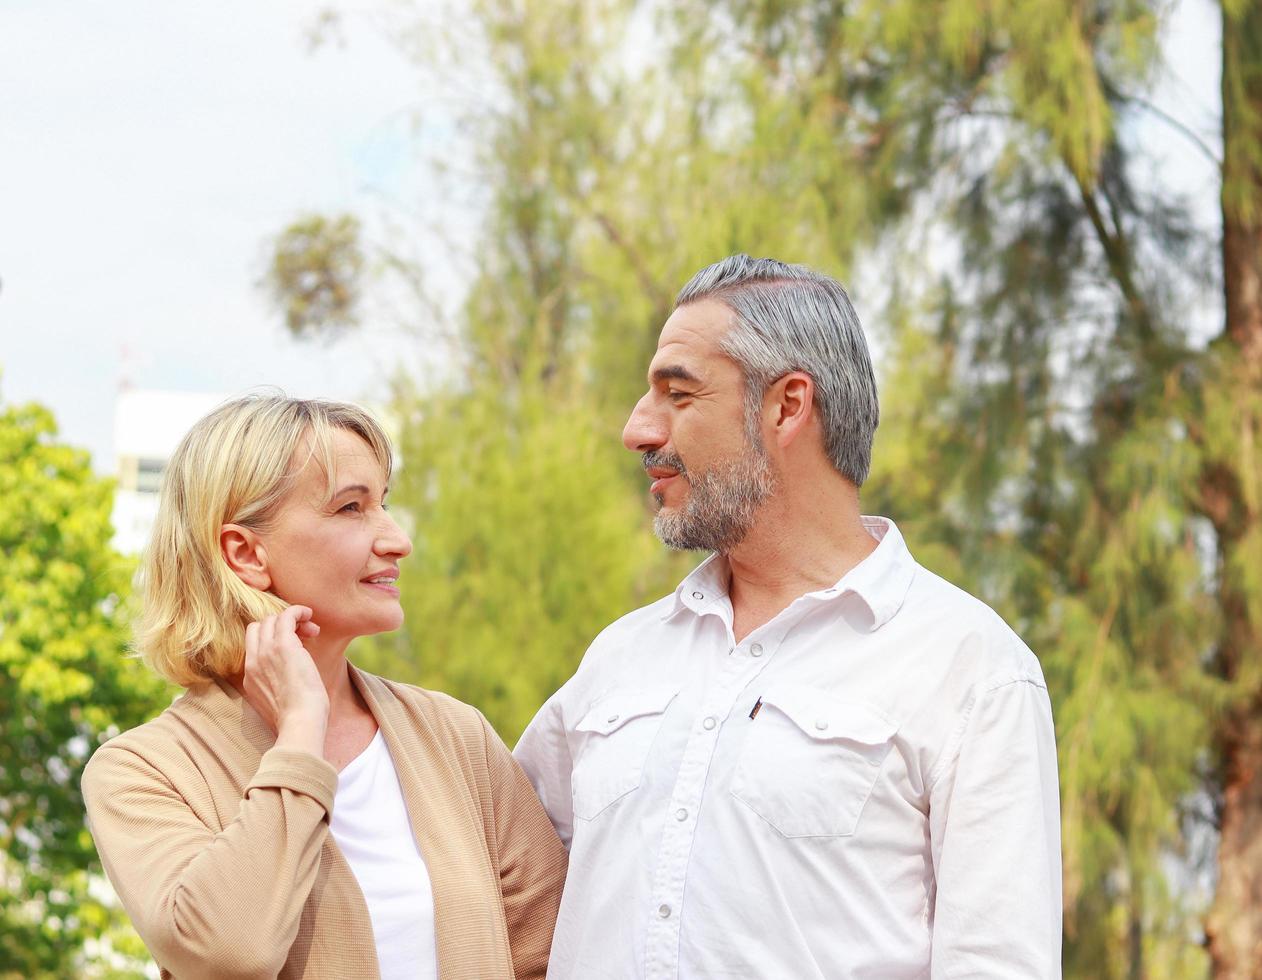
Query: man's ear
x=790 y=403
x=243 y=550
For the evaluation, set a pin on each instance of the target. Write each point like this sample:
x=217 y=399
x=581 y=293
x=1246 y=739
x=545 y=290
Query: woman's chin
x=381 y=624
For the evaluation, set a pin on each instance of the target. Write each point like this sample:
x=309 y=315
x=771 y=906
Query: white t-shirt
x=371 y=827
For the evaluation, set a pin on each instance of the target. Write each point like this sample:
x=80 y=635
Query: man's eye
x=675 y=396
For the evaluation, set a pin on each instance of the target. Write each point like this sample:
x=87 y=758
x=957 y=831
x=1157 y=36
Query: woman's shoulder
x=445 y=717
x=154 y=745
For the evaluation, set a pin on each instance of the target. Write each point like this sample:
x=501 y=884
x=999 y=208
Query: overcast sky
x=149 y=149
x=147 y=152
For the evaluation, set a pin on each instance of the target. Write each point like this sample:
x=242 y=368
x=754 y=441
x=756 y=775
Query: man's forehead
x=699 y=324
x=690 y=339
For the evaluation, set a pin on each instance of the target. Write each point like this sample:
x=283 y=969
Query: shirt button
x=613 y=718
x=681 y=814
x=756 y=650
x=696 y=595
x=664 y=911
x=822 y=725
x=709 y=724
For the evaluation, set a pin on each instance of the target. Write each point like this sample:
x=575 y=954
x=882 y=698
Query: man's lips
x=661 y=477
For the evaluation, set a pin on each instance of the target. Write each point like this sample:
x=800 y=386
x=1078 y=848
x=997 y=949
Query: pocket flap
x=614 y=710
x=823 y=716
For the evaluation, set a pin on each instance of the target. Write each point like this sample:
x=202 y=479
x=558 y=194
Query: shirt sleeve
x=994 y=816
x=209 y=904
x=544 y=754
x=532 y=861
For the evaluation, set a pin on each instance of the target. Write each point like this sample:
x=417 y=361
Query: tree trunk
x=1231 y=490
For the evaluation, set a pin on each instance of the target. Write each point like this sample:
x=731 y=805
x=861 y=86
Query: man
x=815 y=758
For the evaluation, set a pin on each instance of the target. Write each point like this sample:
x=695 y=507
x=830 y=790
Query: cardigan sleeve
x=532 y=860
x=208 y=904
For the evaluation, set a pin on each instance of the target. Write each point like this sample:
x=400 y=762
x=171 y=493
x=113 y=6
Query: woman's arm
x=208 y=904
x=224 y=904
x=532 y=860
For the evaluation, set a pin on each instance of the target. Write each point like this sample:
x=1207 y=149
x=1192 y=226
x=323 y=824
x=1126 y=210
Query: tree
x=1230 y=495
x=1054 y=437
x=65 y=683
x=314 y=274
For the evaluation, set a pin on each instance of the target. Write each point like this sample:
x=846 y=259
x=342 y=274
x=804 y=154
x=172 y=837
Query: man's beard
x=722 y=503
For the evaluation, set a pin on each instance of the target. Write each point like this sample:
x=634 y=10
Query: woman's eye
x=351 y=508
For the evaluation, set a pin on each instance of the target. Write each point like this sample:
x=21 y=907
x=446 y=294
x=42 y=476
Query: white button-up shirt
x=865 y=786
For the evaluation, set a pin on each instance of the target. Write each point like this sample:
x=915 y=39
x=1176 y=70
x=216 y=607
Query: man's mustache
x=656 y=457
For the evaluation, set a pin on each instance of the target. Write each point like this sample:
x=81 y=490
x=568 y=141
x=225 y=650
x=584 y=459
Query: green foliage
x=314 y=274
x=64 y=684
x=1048 y=426
x=1242 y=110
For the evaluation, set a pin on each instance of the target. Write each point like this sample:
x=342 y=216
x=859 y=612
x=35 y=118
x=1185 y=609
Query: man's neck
x=800 y=544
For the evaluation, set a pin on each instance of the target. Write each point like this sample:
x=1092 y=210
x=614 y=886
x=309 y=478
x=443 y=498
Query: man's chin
x=669 y=530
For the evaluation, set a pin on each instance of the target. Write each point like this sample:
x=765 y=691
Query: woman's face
x=339 y=556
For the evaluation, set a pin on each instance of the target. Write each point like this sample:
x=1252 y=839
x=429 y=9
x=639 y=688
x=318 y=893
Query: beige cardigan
x=219 y=844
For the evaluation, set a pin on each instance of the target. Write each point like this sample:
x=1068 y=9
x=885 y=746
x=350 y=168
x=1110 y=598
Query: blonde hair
x=235 y=466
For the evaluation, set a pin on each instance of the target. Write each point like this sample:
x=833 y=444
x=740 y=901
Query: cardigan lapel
x=447 y=824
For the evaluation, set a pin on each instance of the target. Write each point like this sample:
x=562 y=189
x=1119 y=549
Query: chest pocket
x=612 y=742
x=810 y=761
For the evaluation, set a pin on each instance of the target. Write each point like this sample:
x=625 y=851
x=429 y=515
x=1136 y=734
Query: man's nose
x=644 y=430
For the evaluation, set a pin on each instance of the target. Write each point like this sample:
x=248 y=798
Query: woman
x=290 y=815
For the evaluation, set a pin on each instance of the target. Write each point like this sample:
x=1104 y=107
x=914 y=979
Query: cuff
x=300 y=772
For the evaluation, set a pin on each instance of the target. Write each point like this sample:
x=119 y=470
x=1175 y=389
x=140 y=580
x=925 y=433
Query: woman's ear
x=243 y=550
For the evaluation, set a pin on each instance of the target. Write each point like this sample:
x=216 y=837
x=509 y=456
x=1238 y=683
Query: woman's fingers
x=287 y=621
x=282 y=681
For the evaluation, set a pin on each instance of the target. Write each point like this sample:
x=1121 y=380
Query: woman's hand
x=282 y=683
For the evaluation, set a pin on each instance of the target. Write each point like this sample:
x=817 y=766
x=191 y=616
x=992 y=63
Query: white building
x=148 y=425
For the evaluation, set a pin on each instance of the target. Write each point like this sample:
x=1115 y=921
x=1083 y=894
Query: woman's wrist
x=303 y=734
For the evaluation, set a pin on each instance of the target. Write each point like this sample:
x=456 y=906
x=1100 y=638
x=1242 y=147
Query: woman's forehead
x=322 y=465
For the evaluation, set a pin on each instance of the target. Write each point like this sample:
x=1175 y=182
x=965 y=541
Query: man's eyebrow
x=675 y=372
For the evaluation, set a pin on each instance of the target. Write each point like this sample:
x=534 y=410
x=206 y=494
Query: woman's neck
x=330 y=659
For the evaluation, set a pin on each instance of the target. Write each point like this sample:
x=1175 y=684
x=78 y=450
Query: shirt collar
x=705 y=584
x=881 y=580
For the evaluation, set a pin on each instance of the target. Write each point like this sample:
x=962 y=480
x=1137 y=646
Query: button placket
x=678 y=834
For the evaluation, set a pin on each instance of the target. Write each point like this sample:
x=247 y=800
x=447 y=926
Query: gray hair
x=791 y=318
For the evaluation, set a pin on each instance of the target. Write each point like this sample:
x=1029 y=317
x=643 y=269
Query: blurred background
x=472 y=217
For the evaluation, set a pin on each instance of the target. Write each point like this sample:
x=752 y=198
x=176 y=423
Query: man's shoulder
x=966 y=628
x=616 y=646
x=634 y=624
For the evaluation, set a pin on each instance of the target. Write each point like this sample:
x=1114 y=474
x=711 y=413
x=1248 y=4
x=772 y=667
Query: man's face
x=706 y=459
